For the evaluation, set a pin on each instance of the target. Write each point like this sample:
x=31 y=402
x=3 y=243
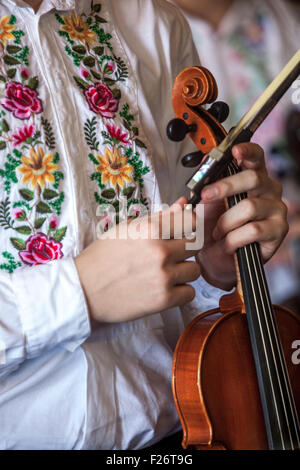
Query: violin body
x=215 y=386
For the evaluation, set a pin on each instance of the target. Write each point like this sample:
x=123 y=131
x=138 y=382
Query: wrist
x=219 y=275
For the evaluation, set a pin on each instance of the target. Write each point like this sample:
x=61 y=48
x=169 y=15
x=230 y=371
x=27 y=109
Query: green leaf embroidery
x=18 y=243
x=89 y=61
x=11 y=265
x=13 y=49
x=100 y=19
x=11 y=73
x=43 y=208
x=4 y=125
x=33 y=83
x=128 y=192
x=24 y=229
x=117 y=93
x=18 y=35
x=76 y=58
x=99 y=50
x=59 y=19
x=79 y=49
x=50 y=194
x=39 y=222
x=58 y=175
x=109 y=81
x=96 y=8
x=59 y=234
x=5 y=220
x=108 y=193
x=83 y=85
x=9 y=60
x=21 y=204
x=122 y=72
x=90 y=133
x=141 y=144
x=56 y=205
x=12 y=20
x=95 y=74
x=50 y=139
x=23 y=55
x=26 y=194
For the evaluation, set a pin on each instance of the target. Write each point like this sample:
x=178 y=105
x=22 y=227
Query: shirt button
x=205 y=294
x=85 y=215
x=58 y=80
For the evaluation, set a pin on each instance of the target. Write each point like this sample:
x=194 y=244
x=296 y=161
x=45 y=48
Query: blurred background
x=245 y=44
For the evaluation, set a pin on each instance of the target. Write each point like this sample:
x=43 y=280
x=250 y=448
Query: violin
x=234 y=383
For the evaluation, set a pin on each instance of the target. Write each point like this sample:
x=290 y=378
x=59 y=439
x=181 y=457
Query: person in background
x=245 y=45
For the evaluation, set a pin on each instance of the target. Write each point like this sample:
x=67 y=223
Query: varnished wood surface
x=214 y=380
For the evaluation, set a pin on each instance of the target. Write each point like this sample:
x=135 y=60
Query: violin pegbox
x=193 y=88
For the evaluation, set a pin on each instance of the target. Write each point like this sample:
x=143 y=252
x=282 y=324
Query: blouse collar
x=47 y=5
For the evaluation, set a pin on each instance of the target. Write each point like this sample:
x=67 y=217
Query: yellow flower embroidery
x=38 y=168
x=114 y=168
x=5 y=29
x=77 y=29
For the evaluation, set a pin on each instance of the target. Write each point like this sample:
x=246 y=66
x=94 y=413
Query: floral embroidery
x=38 y=168
x=21 y=100
x=40 y=250
x=23 y=134
x=101 y=100
x=77 y=29
x=5 y=30
x=119 y=170
x=114 y=169
x=32 y=165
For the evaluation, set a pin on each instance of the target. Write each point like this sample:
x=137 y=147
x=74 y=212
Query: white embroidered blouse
x=85 y=97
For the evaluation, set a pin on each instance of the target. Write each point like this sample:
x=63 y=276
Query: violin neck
x=278 y=405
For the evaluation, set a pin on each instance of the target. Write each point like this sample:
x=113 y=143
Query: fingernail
x=240 y=151
x=210 y=193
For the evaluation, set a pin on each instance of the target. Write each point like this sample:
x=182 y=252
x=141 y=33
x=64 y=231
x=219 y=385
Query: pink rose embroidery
x=101 y=100
x=40 y=250
x=21 y=100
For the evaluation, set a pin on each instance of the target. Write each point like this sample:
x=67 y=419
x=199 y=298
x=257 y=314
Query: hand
x=261 y=218
x=126 y=278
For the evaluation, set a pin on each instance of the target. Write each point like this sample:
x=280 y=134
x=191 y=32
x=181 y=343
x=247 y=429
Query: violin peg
x=178 y=129
x=219 y=110
x=192 y=159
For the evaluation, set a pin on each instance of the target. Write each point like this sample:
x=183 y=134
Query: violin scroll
x=193 y=88
x=196 y=85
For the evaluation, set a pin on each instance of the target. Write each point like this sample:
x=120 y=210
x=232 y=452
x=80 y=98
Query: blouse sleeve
x=41 y=307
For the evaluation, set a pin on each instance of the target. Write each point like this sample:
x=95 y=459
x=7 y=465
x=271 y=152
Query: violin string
x=273 y=353
x=258 y=266
x=245 y=251
x=281 y=355
x=261 y=330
